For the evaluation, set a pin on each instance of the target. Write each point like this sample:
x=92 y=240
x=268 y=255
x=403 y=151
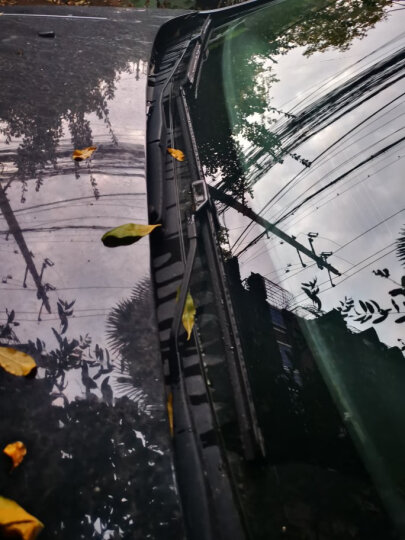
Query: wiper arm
x=174 y=360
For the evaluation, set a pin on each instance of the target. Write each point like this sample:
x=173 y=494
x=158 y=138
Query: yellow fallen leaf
x=177 y=154
x=170 y=413
x=16 y=362
x=188 y=313
x=15 y=522
x=16 y=451
x=85 y=153
x=127 y=234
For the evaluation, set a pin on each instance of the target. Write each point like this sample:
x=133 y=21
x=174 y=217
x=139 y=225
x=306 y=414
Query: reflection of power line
x=65 y=201
x=15 y=230
x=360 y=153
x=366 y=80
x=330 y=79
x=289 y=185
x=333 y=106
x=70 y=288
x=61 y=228
x=354 y=266
x=316 y=206
x=351 y=159
x=350 y=241
x=330 y=197
x=248 y=212
x=76 y=311
x=35 y=320
x=340 y=177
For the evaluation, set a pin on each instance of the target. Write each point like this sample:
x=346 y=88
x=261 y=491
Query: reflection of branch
x=16 y=231
x=249 y=213
x=93 y=181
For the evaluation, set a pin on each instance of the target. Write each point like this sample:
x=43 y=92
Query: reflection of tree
x=248 y=75
x=129 y=332
x=366 y=310
x=62 y=98
x=401 y=247
x=336 y=25
x=88 y=474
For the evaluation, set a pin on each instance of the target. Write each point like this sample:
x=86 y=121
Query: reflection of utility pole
x=15 y=230
x=248 y=212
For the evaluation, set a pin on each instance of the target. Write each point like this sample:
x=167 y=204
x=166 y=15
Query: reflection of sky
x=96 y=277
x=370 y=195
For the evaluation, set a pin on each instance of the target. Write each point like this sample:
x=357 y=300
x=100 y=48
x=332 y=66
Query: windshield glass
x=306 y=167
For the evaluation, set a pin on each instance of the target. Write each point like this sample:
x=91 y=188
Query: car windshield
x=302 y=141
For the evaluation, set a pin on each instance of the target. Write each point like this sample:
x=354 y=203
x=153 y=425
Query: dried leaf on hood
x=170 y=413
x=177 y=154
x=16 y=451
x=16 y=362
x=15 y=522
x=85 y=153
x=127 y=234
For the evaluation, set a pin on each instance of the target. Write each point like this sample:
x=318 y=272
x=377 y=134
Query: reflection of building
x=330 y=404
x=278 y=300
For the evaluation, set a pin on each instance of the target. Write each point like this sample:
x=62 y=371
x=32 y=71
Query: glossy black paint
x=94 y=418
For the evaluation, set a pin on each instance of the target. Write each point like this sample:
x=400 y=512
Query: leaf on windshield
x=170 y=413
x=127 y=234
x=177 y=154
x=188 y=313
x=15 y=522
x=16 y=362
x=85 y=153
x=16 y=451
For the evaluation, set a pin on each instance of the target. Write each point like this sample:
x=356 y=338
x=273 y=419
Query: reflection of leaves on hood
x=106 y=391
x=131 y=337
x=86 y=379
x=385 y=273
x=64 y=311
x=63 y=474
x=6 y=330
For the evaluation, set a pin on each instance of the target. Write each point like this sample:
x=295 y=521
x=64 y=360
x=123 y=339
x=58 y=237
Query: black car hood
x=93 y=419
